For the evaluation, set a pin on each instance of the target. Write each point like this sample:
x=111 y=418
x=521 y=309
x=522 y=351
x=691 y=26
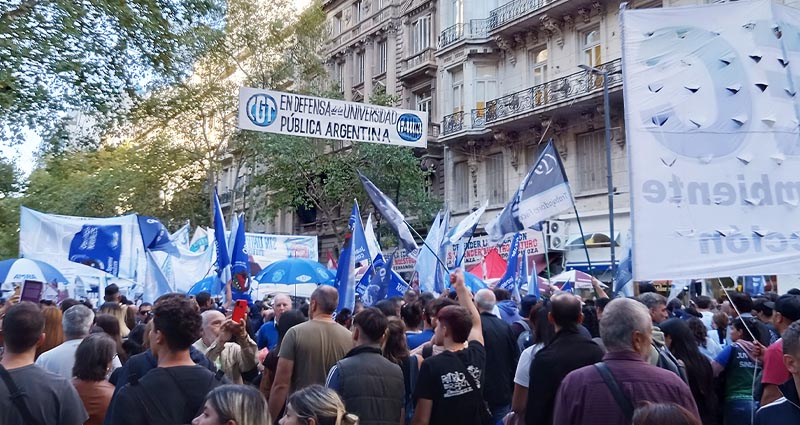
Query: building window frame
x=591 y=161
x=421 y=34
x=495 y=172
x=457 y=80
x=360 y=58
x=461 y=185
x=357 y=12
x=591 y=49
x=382 y=56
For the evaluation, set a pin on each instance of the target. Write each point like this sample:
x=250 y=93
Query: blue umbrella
x=293 y=271
x=208 y=285
x=474 y=283
x=22 y=269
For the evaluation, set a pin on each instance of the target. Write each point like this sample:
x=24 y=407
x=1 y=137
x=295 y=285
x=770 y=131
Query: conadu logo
x=409 y=127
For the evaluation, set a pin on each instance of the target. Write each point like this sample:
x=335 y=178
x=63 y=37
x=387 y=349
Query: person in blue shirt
x=267 y=335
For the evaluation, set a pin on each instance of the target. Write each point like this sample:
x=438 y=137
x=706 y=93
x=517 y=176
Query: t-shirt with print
x=739 y=372
x=314 y=347
x=442 y=380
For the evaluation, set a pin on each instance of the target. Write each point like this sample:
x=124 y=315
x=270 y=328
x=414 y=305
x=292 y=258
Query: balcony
x=552 y=93
x=454 y=123
x=476 y=29
x=513 y=10
x=419 y=65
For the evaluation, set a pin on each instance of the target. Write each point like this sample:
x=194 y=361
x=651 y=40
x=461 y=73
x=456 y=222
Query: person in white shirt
x=77 y=322
x=703 y=304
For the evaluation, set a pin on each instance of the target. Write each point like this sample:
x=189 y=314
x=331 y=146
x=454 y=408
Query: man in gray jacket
x=371 y=386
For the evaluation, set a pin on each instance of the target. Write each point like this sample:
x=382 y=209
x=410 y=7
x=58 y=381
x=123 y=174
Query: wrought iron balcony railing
x=552 y=92
x=418 y=59
x=453 y=123
x=475 y=29
x=478 y=118
x=513 y=10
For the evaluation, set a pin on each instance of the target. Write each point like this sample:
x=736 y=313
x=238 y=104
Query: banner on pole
x=300 y=115
x=712 y=133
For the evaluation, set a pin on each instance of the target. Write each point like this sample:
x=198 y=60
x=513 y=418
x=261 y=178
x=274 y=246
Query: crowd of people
x=458 y=358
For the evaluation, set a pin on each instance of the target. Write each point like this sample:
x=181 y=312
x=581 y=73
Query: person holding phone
x=227 y=344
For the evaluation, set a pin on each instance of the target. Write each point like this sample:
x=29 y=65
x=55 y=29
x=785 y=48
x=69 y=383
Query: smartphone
x=239 y=311
x=31 y=291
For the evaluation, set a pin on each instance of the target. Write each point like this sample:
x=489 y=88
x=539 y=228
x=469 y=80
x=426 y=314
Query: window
x=456 y=12
x=496 y=179
x=422 y=101
x=359 y=67
x=461 y=185
x=339 y=75
x=537 y=60
x=457 y=77
x=485 y=87
x=337 y=24
x=421 y=34
x=592 y=48
x=591 y=161
x=381 y=57
x=357 y=12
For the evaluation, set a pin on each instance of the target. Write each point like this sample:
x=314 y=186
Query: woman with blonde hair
x=233 y=405
x=53 y=330
x=316 y=405
x=117 y=311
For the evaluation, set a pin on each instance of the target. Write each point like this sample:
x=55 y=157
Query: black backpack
x=525 y=338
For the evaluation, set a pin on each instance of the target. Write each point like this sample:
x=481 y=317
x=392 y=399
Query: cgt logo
x=409 y=127
x=262 y=109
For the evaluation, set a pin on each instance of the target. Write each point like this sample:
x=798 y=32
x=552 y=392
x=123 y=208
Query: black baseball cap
x=787 y=305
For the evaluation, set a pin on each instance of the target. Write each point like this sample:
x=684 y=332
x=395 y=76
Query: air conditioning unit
x=556 y=235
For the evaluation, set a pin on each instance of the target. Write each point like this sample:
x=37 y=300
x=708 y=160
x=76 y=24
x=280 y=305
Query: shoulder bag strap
x=622 y=401
x=17 y=397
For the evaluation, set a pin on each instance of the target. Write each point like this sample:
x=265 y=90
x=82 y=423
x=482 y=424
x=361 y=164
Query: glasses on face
x=145 y=312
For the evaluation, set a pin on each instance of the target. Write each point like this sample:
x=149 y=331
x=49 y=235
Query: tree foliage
x=151 y=179
x=93 y=55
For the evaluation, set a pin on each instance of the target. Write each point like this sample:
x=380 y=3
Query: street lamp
x=607 y=113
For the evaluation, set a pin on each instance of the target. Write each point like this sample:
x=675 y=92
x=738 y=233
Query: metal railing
x=552 y=92
x=474 y=30
x=513 y=10
x=478 y=118
x=418 y=59
x=453 y=123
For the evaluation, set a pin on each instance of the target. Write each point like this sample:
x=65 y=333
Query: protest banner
x=300 y=115
x=712 y=131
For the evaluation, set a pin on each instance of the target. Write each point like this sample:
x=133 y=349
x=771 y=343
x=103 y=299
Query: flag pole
x=439 y=260
x=466 y=246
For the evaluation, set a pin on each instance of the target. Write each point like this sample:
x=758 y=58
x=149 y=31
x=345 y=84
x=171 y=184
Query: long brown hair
x=395 y=347
x=53 y=330
x=110 y=325
x=663 y=414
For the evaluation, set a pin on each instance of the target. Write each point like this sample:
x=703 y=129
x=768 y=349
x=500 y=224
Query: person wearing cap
x=764 y=313
x=785 y=311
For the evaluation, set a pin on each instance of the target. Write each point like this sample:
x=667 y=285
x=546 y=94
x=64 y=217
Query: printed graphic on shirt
x=456 y=383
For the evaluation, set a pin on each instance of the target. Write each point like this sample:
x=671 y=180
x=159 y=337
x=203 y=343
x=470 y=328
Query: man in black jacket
x=172 y=393
x=371 y=386
x=567 y=351
x=502 y=355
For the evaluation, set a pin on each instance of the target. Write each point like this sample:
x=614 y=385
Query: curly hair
x=178 y=318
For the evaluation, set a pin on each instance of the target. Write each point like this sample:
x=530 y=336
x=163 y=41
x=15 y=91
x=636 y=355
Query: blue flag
x=359 y=239
x=567 y=287
x=395 y=284
x=220 y=244
x=523 y=275
x=155 y=284
x=624 y=274
x=346 y=278
x=442 y=275
x=97 y=246
x=509 y=279
x=155 y=235
x=393 y=216
x=466 y=227
x=240 y=263
x=542 y=194
x=426 y=266
x=754 y=285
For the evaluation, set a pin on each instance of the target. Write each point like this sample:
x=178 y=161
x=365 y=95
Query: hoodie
x=509 y=311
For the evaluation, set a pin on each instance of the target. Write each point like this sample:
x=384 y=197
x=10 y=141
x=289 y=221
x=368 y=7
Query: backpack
x=411 y=384
x=525 y=339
